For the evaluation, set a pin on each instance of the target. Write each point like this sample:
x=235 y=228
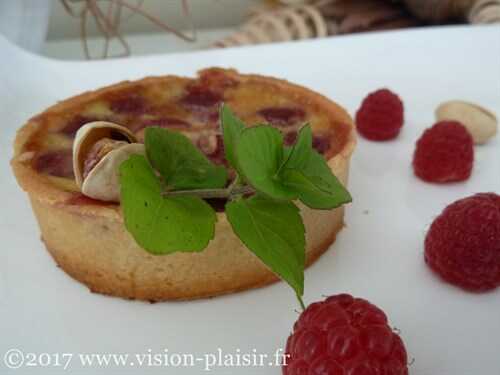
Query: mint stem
x=301 y=302
x=213 y=193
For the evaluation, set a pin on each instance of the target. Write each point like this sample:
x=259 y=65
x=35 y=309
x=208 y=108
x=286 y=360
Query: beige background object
x=206 y=14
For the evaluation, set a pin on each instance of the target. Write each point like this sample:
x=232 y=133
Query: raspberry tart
x=87 y=237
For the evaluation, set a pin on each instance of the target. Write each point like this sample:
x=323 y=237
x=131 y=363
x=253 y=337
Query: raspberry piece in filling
x=78 y=199
x=200 y=98
x=129 y=104
x=203 y=103
x=217 y=79
x=76 y=123
x=282 y=116
x=55 y=163
x=322 y=142
x=290 y=138
x=213 y=147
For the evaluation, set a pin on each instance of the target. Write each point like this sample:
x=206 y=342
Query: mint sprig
x=163 y=196
x=162 y=224
x=306 y=173
x=231 y=129
x=260 y=155
x=180 y=163
x=273 y=230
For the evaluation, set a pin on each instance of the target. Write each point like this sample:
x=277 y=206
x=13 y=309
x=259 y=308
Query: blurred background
x=96 y=29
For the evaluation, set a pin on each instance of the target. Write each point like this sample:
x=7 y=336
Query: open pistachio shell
x=91 y=133
x=481 y=123
x=103 y=181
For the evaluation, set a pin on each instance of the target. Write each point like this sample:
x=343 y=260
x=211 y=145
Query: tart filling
x=184 y=105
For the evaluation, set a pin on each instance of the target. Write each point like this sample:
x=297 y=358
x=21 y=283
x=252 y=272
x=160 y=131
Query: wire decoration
x=283 y=20
x=108 y=16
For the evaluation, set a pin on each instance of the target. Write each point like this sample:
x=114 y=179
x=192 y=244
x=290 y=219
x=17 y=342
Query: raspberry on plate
x=444 y=153
x=380 y=116
x=343 y=335
x=463 y=243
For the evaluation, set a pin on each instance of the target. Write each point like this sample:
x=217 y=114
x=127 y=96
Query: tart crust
x=91 y=244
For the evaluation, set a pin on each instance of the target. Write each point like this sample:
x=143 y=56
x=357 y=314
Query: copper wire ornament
x=284 y=20
x=108 y=16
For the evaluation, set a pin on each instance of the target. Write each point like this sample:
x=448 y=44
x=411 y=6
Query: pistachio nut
x=481 y=123
x=98 y=150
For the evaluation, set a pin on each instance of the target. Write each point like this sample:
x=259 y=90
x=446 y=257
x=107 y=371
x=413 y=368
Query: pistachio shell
x=481 y=123
x=103 y=181
x=88 y=135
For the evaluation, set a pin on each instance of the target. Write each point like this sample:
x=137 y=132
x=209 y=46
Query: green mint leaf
x=318 y=171
x=306 y=173
x=298 y=156
x=273 y=230
x=312 y=191
x=162 y=225
x=232 y=127
x=259 y=151
x=180 y=163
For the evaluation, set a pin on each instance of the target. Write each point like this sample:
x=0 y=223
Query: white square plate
x=378 y=255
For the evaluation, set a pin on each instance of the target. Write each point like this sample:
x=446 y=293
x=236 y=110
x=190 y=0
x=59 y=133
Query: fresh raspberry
x=380 y=116
x=343 y=335
x=463 y=243
x=444 y=153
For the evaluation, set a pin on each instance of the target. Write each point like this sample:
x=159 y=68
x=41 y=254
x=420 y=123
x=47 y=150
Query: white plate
x=377 y=256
